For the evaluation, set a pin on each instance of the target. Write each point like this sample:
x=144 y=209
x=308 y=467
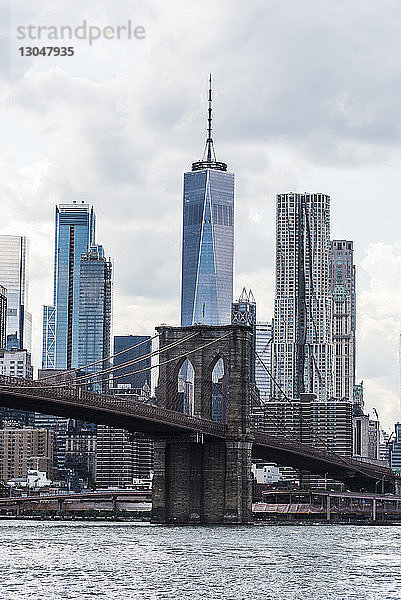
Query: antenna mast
x=209 y=156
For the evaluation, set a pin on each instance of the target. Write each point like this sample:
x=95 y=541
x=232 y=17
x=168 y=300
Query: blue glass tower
x=94 y=313
x=74 y=234
x=139 y=372
x=208 y=239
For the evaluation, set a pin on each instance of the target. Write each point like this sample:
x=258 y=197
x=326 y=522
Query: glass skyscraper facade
x=14 y=260
x=94 y=312
x=208 y=240
x=126 y=376
x=74 y=234
x=264 y=349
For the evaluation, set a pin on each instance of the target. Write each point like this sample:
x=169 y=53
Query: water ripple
x=116 y=561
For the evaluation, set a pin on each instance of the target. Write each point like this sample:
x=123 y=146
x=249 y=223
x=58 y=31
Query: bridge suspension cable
x=175 y=358
x=85 y=378
x=102 y=360
x=302 y=418
x=134 y=361
x=71 y=384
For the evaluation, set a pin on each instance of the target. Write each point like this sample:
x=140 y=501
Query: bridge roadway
x=111 y=495
x=103 y=500
x=158 y=422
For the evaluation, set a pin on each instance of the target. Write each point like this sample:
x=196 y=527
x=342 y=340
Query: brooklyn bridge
x=202 y=468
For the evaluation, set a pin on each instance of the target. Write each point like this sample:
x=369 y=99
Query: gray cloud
x=306 y=98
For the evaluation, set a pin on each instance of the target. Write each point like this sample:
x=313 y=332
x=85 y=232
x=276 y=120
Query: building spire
x=209 y=155
x=209 y=140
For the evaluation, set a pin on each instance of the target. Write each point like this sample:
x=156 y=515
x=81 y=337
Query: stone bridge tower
x=203 y=479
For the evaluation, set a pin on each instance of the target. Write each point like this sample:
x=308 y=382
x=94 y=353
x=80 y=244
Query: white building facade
x=16 y=363
x=302 y=331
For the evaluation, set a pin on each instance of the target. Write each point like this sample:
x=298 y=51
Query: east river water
x=54 y=560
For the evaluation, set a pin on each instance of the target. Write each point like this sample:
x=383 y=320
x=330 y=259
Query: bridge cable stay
x=306 y=421
x=281 y=427
x=82 y=379
x=289 y=435
x=351 y=466
x=302 y=419
x=73 y=384
x=171 y=392
x=133 y=361
x=79 y=380
x=176 y=358
x=170 y=360
x=288 y=400
x=101 y=360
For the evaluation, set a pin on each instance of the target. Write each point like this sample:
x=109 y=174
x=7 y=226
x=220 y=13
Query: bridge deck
x=101 y=408
x=139 y=417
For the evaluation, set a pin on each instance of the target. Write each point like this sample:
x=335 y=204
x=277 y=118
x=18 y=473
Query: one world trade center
x=208 y=239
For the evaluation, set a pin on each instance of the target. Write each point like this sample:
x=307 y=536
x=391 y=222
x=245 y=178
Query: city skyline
x=348 y=280
x=121 y=143
x=216 y=335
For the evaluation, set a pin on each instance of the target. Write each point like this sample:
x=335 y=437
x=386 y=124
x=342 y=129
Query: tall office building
x=366 y=437
x=133 y=376
x=323 y=424
x=94 y=312
x=343 y=343
x=49 y=337
x=120 y=459
x=208 y=239
x=80 y=451
x=264 y=338
x=59 y=427
x=3 y=316
x=302 y=333
x=14 y=261
x=341 y=263
x=22 y=449
x=342 y=287
x=74 y=234
x=358 y=400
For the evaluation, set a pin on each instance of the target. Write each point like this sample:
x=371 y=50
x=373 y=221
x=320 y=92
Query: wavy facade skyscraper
x=208 y=239
x=302 y=332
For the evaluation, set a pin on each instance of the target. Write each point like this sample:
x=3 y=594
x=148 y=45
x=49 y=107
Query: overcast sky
x=307 y=98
